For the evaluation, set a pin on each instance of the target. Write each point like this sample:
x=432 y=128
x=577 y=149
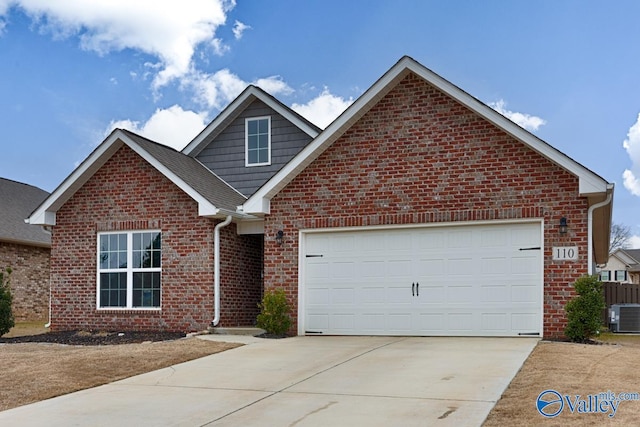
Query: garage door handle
x=413 y=289
x=417 y=289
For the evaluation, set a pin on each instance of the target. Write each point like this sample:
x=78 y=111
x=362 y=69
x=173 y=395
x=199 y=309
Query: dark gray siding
x=225 y=154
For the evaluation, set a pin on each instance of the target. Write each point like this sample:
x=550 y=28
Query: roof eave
x=250 y=94
x=590 y=184
x=45 y=214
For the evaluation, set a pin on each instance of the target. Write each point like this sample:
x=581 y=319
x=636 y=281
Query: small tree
x=584 y=312
x=274 y=313
x=6 y=315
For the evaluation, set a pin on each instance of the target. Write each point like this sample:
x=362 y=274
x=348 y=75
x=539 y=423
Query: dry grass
x=38 y=371
x=35 y=327
x=573 y=369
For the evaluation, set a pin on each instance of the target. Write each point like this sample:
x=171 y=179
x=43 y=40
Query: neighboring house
x=25 y=248
x=623 y=266
x=418 y=211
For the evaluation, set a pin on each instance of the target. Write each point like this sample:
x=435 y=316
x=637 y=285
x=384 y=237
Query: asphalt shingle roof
x=193 y=173
x=17 y=201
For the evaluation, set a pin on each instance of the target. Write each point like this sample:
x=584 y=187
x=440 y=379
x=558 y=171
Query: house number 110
x=565 y=253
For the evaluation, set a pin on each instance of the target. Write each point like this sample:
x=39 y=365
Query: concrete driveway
x=304 y=381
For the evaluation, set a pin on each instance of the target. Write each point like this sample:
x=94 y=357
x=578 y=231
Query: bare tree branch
x=620 y=236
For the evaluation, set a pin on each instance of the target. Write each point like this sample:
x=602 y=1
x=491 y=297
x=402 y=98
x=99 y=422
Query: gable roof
x=226 y=116
x=17 y=202
x=215 y=197
x=590 y=184
x=630 y=257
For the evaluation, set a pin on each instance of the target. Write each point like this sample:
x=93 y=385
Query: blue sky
x=71 y=70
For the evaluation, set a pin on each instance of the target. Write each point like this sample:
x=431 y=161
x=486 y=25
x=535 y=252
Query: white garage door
x=481 y=280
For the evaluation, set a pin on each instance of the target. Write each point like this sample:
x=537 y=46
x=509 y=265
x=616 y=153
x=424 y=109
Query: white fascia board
x=257 y=206
x=45 y=214
x=205 y=207
x=589 y=182
x=238 y=104
x=255 y=226
x=257 y=202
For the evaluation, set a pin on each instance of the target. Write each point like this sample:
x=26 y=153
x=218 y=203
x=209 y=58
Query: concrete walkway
x=304 y=381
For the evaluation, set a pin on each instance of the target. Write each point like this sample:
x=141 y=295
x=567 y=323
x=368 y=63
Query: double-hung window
x=129 y=269
x=605 y=275
x=257 y=141
x=621 y=275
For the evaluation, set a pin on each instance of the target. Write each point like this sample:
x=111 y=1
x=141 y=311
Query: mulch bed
x=94 y=338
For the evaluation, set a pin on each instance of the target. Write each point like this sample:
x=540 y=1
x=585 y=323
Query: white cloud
x=632 y=145
x=527 y=121
x=634 y=242
x=168 y=30
x=239 y=28
x=173 y=126
x=323 y=109
x=218 y=89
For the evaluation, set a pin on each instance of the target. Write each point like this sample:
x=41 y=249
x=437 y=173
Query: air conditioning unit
x=624 y=317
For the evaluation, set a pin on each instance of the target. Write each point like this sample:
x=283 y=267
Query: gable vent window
x=258 y=141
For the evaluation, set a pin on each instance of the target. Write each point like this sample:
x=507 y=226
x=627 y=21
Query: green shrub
x=6 y=315
x=274 y=313
x=584 y=312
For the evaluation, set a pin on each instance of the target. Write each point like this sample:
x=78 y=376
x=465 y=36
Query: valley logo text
x=551 y=403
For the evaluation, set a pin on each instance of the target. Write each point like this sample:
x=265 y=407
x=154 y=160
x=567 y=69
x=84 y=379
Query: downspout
x=48 y=231
x=590 y=230
x=216 y=270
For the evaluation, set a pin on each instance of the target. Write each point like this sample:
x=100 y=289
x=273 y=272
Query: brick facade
x=29 y=280
x=420 y=157
x=127 y=194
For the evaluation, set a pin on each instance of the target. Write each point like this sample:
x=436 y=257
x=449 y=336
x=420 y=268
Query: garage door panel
x=374 y=269
x=524 y=293
x=374 y=295
x=432 y=323
x=431 y=268
x=494 y=322
x=460 y=322
x=495 y=293
x=473 y=280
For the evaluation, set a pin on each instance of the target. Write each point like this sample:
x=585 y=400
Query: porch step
x=250 y=331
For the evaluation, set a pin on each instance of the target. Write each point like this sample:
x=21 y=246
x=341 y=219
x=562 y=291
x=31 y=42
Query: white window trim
x=624 y=275
x=246 y=141
x=130 y=270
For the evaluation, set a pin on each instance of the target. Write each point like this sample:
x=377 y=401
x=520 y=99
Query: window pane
x=147 y=250
x=113 y=251
x=146 y=289
x=157 y=241
x=252 y=127
x=263 y=126
x=253 y=156
x=113 y=289
x=263 y=156
x=263 y=141
x=137 y=259
x=252 y=142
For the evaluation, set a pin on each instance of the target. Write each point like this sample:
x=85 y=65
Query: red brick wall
x=240 y=276
x=420 y=157
x=127 y=194
x=29 y=280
